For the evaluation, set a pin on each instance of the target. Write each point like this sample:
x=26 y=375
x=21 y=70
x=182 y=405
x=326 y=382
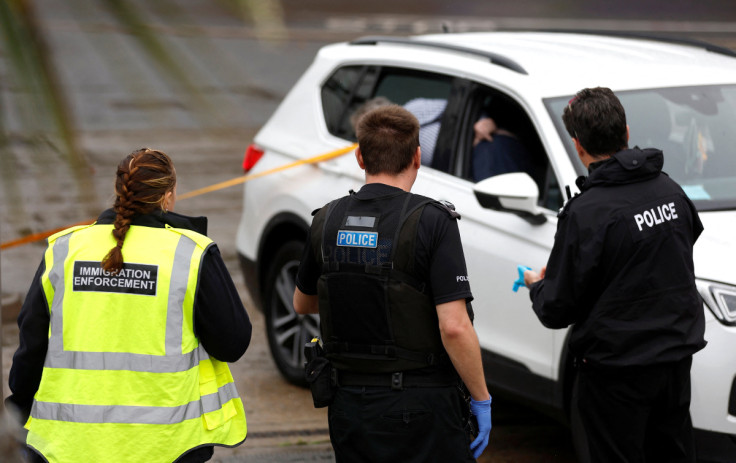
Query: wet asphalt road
x=122 y=99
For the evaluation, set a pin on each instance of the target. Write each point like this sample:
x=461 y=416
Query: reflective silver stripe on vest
x=56 y=277
x=130 y=414
x=125 y=361
x=173 y=361
x=177 y=291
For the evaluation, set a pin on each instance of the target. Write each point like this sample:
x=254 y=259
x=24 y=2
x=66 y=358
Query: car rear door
x=519 y=353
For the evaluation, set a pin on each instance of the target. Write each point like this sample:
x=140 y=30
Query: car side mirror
x=516 y=193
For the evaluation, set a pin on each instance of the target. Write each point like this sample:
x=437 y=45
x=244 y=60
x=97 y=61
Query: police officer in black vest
x=621 y=271
x=385 y=270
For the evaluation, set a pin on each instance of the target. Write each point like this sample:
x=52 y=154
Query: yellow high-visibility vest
x=125 y=379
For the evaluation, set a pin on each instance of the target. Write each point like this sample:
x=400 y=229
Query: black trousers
x=377 y=424
x=637 y=414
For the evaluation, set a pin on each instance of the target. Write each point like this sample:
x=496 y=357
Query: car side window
x=499 y=138
x=346 y=89
x=423 y=94
x=354 y=90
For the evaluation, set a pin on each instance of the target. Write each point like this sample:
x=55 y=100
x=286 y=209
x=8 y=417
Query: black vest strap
x=428 y=359
x=330 y=207
x=402 y=219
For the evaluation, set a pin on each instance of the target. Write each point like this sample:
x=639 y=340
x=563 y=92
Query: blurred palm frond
x=44 y=108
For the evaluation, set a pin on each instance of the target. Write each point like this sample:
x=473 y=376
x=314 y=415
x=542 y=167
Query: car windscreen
x=694 y=128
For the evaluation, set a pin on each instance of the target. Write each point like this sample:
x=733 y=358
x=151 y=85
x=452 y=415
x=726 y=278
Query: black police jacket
x=621 y=269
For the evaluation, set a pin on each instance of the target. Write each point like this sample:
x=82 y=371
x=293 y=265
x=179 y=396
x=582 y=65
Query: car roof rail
x=494 y=58
x=651 y=36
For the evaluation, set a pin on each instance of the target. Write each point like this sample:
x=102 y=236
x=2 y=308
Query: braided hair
x=143 y=179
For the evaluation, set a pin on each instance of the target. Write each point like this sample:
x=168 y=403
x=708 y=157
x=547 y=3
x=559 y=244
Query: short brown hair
x=388 y=137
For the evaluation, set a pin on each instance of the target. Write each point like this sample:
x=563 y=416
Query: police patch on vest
x=132 y=279
x=357 y=239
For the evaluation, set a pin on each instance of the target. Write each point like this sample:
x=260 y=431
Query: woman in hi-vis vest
x=125 y=331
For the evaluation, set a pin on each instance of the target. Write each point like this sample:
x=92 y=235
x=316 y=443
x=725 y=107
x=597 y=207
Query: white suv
x=679 y=97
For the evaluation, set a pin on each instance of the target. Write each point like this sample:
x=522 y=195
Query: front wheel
x=287 y=331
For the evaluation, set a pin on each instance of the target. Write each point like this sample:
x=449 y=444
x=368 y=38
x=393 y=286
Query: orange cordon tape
x=218 y=186
x=39 y=236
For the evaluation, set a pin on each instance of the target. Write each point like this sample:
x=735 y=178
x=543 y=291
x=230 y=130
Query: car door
x=519 y=353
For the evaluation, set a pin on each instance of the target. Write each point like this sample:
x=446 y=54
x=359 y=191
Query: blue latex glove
x=520 y=282
x=482 y=411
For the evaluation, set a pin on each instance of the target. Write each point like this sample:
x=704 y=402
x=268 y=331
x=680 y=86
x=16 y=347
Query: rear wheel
x=287 y=331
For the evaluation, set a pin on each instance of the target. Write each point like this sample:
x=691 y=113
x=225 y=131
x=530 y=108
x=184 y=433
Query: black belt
x=397 y=381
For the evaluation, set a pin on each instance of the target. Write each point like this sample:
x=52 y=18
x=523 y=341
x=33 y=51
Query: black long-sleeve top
x=621 y=269
x=220 y=321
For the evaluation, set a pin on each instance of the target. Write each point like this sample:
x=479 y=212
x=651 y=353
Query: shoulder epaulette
x=446 y=206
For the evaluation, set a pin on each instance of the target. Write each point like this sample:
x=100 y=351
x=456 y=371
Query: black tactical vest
x=376 y=315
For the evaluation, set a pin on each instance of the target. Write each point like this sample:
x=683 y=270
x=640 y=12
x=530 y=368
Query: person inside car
x=498 y=145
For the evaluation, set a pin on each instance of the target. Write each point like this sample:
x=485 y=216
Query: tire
x=577 y=430
x=286 y=330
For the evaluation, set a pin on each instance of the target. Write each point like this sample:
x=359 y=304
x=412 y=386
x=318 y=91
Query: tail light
x=252 y=155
